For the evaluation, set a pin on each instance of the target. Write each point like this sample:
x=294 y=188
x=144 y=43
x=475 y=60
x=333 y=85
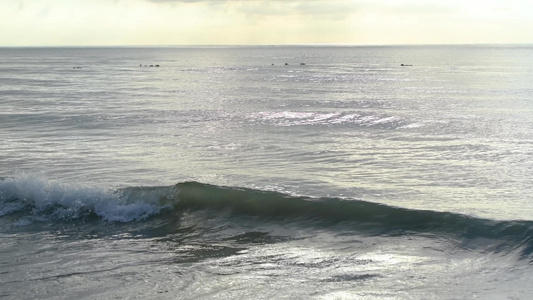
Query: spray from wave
x=42 y=199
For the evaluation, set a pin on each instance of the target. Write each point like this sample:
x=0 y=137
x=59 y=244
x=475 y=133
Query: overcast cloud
x=148 y=22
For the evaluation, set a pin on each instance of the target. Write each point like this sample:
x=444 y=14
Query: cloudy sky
x=252 y=22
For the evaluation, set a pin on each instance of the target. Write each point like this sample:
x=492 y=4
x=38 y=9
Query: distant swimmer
x=302 y=64
x=403 y=65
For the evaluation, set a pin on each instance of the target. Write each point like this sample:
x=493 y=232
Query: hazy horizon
x=268 y=45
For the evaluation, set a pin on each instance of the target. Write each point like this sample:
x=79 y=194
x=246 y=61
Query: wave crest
x=45 y=199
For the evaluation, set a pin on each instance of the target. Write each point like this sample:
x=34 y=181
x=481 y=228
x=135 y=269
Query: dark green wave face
x=363 y=217
x=159 y=211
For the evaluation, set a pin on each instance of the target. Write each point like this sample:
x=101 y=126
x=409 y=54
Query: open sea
x=272 y=172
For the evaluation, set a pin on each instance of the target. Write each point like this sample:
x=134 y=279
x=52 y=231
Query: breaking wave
x=34 y=199
x=43 y=199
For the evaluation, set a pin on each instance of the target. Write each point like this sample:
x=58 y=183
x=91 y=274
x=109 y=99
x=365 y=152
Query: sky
x=263 y=22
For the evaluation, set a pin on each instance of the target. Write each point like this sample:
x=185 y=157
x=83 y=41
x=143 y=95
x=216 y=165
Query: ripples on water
x=98 y=153
x=451 y=132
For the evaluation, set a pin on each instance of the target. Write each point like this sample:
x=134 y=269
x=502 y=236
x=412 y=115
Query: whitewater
x=266 y=172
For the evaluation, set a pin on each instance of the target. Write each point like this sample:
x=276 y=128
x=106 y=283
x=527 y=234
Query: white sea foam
x=291 y=118
x=50 y=199
x=411 y=126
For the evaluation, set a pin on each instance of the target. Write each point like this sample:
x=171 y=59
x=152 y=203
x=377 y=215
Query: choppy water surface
x=266 y=172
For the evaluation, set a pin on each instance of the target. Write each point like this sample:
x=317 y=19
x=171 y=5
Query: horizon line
x=263 y=45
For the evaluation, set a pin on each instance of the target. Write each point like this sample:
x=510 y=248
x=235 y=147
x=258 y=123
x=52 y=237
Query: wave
x=40 y=199
x=35 y=198
x=366 y=217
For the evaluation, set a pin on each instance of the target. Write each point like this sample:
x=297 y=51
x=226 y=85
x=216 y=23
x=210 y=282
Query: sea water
x=274 y=172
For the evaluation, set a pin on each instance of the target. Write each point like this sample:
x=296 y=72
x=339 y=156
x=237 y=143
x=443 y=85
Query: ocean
x=266 y=172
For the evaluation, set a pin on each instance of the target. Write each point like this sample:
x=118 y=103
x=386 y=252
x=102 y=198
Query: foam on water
x=50 y=199
x=299 y=118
